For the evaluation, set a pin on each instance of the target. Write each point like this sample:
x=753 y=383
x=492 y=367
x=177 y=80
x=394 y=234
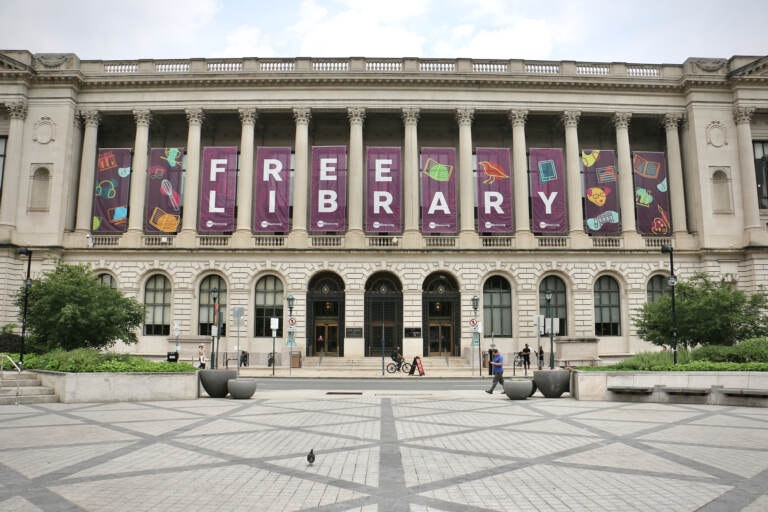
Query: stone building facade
x=351 y=288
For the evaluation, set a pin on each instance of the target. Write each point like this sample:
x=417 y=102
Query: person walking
x=201 y=357
x=541 y=357
x=498 y=371
x=526 y=358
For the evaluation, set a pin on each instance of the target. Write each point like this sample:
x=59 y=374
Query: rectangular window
x=761 y=169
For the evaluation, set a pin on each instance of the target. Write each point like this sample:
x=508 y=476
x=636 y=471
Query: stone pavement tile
x=35 y=462
x=617 y=428
x=157 y=427
x=39 y=419
x=222 y=488
x=563 y=410
x=133 y=415
x=649 y=415
x=359 y=466
x=759 y=505
x=302 y=419
x=424 y=508
x=746 y=463
x=315 y=405
x=622 y=456
x=256 y=410
x=412 y=428
x=728 y=420
x=153 y=457
x=63 y=435
x=654 y=406
x=359 y=411
x=551 y=427
x=224 y=426
x=752 y=411
x=212 y=409
x=12 y=410
x=366 y=430
x=712 y=436
x=18 y=504
x=421 y=466
x=475 y=419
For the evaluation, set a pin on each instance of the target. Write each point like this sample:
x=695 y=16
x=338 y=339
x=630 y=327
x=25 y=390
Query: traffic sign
x=291 y=324
x=473 y=322
x=672 y=280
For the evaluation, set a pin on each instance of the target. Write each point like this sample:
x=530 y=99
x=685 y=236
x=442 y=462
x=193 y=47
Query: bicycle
x=405 y=367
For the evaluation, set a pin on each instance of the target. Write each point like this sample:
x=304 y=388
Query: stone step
x=25 y=390
x=23 y=383
x=6 y=375
x=32 y=399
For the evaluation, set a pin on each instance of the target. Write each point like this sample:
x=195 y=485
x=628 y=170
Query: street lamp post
x=291 y=343
x=548 y=297
x=672 y=281
x=25 y=252
x=214 y=328
x=476 y=337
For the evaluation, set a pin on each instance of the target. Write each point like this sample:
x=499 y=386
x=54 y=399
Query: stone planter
x=552 y=383
x=215 y=381
x=518 y=389
x=242 y=389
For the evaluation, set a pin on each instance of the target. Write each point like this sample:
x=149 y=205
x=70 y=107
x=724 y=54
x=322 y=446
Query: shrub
x=647 y=360
x=91 y=360
x=693 y=366
x=714 y=353
x=753 y=350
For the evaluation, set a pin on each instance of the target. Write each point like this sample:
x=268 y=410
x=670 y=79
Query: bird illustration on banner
x=492 y=172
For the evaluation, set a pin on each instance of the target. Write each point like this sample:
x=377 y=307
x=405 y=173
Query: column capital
x=410 y=116
x=90 y=117
x=195 y=116
x=742 y=114
x=356 y=115
x=302 y=115
x=621 y=119
x=571 y=118
x=248 y=115
x=142 y=117
x=517 y=117
x=465 y=116
x=17 y=110
x=671 y=120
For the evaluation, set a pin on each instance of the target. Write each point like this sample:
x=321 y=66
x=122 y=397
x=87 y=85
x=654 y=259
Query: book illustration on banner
x=643 y=197
x=107 y=189
x=107 y=161
x=590 y=158
x=606 y=174
x=607 y=217
x=547 y=171
x=117 y=215
x=646 y=168
x=167 y=189
x=157 y=172
x=438 y=171
x=598 y=195
x=377 y=225
x=323 y=223
x=173 y=156
x=96 y=224
x=124 y=172
x=492 y=172
x=662 y=186
x=489 y=225
x=265 y=224
x=545 y=225
x=660 y=225
x=211 y=223
x=164 y=221
x=433 y=225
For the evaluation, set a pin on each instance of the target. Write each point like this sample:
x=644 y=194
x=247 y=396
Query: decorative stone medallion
x=716 y=134
x=44 y=130
x=710 y=65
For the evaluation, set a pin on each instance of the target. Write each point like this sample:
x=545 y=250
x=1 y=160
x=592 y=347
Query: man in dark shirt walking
x=498 y=371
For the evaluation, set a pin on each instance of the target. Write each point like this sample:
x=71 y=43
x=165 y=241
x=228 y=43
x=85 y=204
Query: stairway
x=24 y=387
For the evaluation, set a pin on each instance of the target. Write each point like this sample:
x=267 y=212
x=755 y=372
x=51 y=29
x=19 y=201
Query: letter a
x=438 y=203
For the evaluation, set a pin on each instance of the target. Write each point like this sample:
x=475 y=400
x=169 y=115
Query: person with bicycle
x=397 y=357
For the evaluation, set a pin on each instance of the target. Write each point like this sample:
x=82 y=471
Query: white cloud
x=248 y=42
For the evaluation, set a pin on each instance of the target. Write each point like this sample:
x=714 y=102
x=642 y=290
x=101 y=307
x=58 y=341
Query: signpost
x=291 y=342
x=274 y=324
x=538 y=323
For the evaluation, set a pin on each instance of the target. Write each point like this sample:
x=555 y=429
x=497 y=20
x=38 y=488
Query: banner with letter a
x=328 y=190
x=271 y=190
x=550 y=214
x=438 y=190
x=113 y=184
x=162 y=210
x=494 y=191
x=651 y=194
x=382 y=190
x=218 y=189
x=600 y=191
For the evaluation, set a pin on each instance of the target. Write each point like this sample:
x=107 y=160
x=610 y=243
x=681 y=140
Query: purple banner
x=601 y=192
x=548 y=191
x=272 y=185
x=163 y=205
x=218 y=190
x=328 y=192
x=651 y=194
x=438 y=190
x=383 y=178
x=494 y=191
x=113 y=183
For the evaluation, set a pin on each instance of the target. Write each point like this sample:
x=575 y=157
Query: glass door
x=440 y=339
x=327 y=339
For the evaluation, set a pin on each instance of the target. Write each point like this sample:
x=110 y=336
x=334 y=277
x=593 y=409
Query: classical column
x=300 y=176
x=355 y=236
x=87 y=171
x=411 y=233
x=753 y=234
x=464 y=117
x=12 y=175
x=573 y=172
x=139 y=171
x=624 y=162
x=675 y=174
x=245 y=177
x=520 y=171
x=195 y=118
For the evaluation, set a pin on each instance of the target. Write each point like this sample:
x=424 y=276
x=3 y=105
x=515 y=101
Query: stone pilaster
x=355 y=235
x=298 y=235
x=573 y=178
x=753 y=234
x=245 y=176
x=624 y=170
x=17 y=111
x=411 y=234
x=195 y=118
x=675 y=174
x=139 y=175
x=520 y=175
x=84 y=223
x=468 y=238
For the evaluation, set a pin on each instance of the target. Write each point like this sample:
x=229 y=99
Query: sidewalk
x=369 y=373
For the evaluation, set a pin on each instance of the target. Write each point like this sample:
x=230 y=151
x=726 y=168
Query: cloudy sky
x=600 y=30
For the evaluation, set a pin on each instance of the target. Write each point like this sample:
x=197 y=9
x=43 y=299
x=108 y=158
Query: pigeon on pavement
x=311 y=456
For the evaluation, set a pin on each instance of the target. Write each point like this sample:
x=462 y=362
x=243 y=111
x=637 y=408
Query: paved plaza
x=382 y=451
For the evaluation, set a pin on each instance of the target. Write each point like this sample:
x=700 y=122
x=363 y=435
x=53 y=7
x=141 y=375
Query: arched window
x=269 y=303
x=607 y=307
x=657 y=286
x=558 y=304
x=212 y=287
x=157 y=300
x=497 y=307
x=38 y=198
x=107 y=280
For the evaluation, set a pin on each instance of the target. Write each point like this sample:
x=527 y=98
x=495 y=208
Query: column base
x=579 y=239
x=412 y=239
x=241 y=239
x=524 y=239
x=633 y=240
x=355 y=239
x=131 y=238
x=187 y=238
x=298 y=239
x=469 y=240
x=686 y=241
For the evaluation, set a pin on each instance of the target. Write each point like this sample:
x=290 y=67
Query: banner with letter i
x=218 y=190
x=382 y=196
x=494 y=191
x=598 y=167
x=328 y=189
x=162 y=210
x=651 y=195
x=438 y=190
x=271 y=190
x=113 y=190
x=550 y=214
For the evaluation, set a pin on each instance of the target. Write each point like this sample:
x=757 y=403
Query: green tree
x=709 y=312
x=70 y=309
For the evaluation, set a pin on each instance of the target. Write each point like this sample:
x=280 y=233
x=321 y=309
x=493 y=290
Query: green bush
x=753 y=350
x=647 y=360
x=714 y=353
x=83 y=360
x=693 y=366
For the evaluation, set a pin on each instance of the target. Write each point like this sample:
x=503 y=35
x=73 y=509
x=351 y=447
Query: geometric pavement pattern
x=379 y=453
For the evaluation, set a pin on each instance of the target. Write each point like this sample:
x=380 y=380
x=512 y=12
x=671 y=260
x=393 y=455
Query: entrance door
x=440 y=339
x=327 y=339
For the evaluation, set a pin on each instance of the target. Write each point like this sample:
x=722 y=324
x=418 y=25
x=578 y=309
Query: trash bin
x=172 y=357
x=295 y=359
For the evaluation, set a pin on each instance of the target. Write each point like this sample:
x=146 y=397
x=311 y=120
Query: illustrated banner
x=548 y=191
x=272 y=188
x=383 y=179
x=113 y=189
x=494 y=191
x=601 y=194
x=218 y=190
x=328 y=191
x=651 y=194
x=162 y=210
x=438 y=190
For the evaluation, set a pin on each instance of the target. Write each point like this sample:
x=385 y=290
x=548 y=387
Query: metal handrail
x=18 y=381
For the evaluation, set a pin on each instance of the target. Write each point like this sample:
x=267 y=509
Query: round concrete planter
x=518 y=389
x=241 y=388
x=552 y=383
x=215 y=381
